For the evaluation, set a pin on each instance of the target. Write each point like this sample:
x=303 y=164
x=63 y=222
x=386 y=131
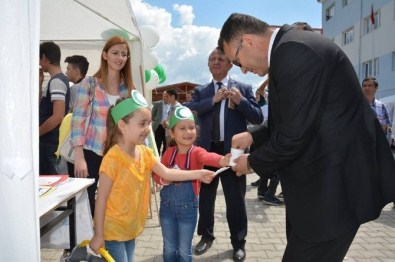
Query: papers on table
x=48 y=184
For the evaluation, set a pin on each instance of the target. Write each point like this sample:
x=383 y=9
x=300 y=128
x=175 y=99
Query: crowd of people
x=313 y=131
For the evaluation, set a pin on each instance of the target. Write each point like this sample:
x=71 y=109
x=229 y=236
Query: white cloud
x=183 y=51
x=186 y=13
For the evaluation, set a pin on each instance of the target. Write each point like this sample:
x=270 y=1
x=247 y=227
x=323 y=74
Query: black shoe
x=256 y=183
x=261 y=195
x=239 y=255
x=274 y=201
x=203 y=246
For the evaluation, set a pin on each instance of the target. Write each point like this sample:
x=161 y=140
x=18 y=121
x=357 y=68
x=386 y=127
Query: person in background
x=173 y=104
x=261 y=99
x=188 y=96
x=179 y=200
x=188 y=99
x=112 y=81
x=369 y=89
x=267 y=187
x=334 y=162
x=224 y=106
x=124 y=189
x=77 y=67
x=160 y=112
x=54 y=104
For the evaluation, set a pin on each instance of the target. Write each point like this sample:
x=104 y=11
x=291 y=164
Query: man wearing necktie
x=224 y=106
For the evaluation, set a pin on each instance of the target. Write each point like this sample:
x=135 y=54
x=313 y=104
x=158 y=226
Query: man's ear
x=248 y=39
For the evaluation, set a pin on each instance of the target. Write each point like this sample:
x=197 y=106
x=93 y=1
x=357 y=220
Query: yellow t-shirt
x=128 y=202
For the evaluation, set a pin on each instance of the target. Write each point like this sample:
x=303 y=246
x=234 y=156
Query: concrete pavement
x=375 y=241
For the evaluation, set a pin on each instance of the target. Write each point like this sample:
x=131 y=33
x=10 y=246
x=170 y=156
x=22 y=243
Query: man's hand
x=220 y=95
x=164 y=124
x=241 y=167
x=242 y=140
x=235 y=95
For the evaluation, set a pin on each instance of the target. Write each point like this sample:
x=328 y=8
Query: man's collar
x=269 y=51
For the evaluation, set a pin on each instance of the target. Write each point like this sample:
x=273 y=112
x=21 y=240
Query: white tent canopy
x=79 y=27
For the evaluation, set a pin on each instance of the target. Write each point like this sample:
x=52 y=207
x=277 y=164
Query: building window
x=376 y=67
x=368 y=25
x=367 y=69
x=330 y=12
x=371 y=67
x=348 y=36
x=347 y=2
x=393 y=61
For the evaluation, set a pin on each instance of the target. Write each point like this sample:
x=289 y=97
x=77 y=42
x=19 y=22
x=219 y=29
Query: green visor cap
x=181 y=113
x=127 y=106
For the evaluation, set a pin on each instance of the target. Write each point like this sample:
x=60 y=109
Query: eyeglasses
x=236 y=61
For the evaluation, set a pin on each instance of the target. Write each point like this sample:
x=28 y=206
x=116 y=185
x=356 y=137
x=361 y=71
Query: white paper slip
x=222 y=169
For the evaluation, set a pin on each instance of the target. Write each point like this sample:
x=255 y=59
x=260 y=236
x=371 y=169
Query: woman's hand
x=80 y=166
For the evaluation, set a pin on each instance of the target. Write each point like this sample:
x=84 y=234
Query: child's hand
x=96 y=243
x=207 y=176
x=224 y=161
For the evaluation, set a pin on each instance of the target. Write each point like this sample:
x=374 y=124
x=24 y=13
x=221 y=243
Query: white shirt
x=269 y=51
x=165 y=111
x=225 y=84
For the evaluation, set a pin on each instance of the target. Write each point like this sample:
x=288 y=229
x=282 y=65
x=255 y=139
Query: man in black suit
x=223 y=106
x=335 y=166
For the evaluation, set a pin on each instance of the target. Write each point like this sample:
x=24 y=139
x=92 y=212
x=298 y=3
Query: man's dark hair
x=239 y=24
x=80 y=62
x=371 y=78
x=51 y=52
x=172 y=92
x=303 y=26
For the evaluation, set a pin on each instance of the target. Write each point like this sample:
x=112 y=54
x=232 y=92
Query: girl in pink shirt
x=179 y=200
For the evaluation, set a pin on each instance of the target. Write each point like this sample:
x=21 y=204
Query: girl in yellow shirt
x=124 y=184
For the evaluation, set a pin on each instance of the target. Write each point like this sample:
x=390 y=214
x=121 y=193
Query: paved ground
x=375 y=241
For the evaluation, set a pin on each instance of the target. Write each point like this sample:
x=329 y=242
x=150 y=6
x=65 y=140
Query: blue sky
x=188 y=30
x=275 y=12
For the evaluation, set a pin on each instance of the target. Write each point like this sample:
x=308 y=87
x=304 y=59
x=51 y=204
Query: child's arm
x=181 y=175
x=224 y=160
x=103 y=191
x=211 y=158
x=160 y=181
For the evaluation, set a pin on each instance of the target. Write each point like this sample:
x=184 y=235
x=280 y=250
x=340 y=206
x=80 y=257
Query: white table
x=65 y=193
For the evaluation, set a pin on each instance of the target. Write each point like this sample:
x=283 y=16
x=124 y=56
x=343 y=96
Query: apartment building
x=365 y=30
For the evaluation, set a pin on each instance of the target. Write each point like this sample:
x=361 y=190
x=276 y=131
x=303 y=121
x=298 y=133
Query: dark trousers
x=268 y=190
x=48 y=163
x=299 y=250
x=93 y=162
x=234 y=188
x=160 y=139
